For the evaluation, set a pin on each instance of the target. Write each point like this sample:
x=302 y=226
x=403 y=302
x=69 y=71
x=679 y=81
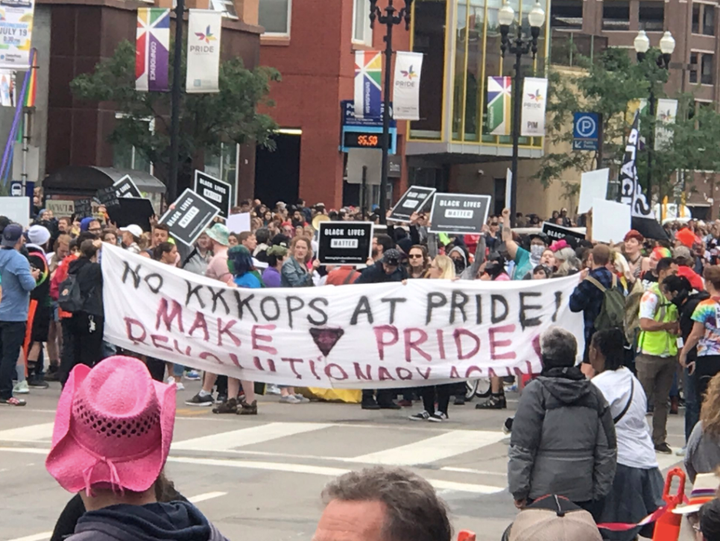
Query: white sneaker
x=681 y=452
x=178 y=385
x=302 y=399
x=271 y=388
x=289 y=399
x=21 y=387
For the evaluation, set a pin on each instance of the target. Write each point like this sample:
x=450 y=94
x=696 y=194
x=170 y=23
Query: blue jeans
x=692 y=405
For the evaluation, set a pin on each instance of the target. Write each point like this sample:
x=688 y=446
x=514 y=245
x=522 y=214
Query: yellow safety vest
x=660 y=343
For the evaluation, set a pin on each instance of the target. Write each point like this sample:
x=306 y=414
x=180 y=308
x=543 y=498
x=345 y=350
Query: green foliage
x=206 y=120
x=608 y=86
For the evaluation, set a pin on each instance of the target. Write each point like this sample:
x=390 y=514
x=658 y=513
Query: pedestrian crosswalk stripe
x=449 y=444
x=227 y=441
x=28 y=433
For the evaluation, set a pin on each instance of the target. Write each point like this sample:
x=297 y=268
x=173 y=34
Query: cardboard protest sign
x=611 y=221
x=17 y=209
x=412 y=200
x=125 y=187
x=460 y=214
x=594 y=185
x=238 y=223
x=83 y=208
x=108 y=197
x=214 y=191
x=367 y=336
x=346 y=243
x=132 y=211
x=189 y=216
x=557 y=232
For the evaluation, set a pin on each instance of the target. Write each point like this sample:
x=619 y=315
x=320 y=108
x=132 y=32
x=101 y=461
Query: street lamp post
x=518 y=46
x=642 y=46
x=390 y=18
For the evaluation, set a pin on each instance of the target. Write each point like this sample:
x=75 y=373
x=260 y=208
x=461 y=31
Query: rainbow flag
x=498 y=106
x=368 y=86
x=29 y=100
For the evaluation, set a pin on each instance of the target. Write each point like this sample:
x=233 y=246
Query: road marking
x=227 y=441
x=464 y=487
x=455 y=442
x=205 y=497
x=28 y=433
x=30 y=450
x=37 y=537
x=470 y=470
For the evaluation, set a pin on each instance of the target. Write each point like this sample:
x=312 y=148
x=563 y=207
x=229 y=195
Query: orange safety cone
x=667 y=527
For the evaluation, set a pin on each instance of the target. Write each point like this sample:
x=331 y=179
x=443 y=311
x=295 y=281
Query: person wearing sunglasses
x=418 y=262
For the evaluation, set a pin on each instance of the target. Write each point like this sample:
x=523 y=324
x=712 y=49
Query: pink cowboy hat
x=113 y=427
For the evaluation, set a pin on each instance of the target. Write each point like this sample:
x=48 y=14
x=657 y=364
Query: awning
x=89 y=179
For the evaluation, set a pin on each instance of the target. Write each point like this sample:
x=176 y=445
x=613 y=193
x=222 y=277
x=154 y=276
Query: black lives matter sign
x=459 y=214
x=215 y=191
x=189 y=216
x=344 y=243
x=125 y=187
x=558 y=232
x=412 y=200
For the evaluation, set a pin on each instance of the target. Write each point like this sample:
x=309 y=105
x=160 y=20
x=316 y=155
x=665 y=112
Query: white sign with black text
x=344 y=243
x=460 y=214
x=412 y=200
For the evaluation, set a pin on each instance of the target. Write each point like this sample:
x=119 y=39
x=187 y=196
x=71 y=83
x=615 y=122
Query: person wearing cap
x=131 y=237
x=553 y=518
x=386 y=269
x=563 y=438
x=276 y=256
x=684 y=260
x=17 y=281
x=703 y=492
x=111 y=438
x=632 y=245
x=294 y=272
x=217 y=269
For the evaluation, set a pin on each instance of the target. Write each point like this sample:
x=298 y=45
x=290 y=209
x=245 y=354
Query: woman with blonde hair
x=442 y=268
x=703 y=447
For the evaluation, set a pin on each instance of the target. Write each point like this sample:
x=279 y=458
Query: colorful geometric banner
x=16 y=23
x=665 y=114
x=7 y=88
x=406 y=97
x=368 y=86
x=498 y=107
x=203 y=53
x=152 y=50
x=533 y=107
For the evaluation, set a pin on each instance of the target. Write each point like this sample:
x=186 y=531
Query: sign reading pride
x=353 y=336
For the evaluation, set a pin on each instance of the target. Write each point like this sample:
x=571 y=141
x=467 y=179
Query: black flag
x=643 y=217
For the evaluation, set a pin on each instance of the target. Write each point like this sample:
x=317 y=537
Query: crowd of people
x=649 y=307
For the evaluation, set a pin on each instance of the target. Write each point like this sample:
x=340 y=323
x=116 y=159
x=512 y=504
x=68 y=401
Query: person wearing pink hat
x=112 y=435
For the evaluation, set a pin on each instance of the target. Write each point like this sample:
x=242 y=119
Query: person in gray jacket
x=563 y=437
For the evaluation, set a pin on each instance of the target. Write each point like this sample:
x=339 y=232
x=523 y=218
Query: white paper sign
x=611 y=221
x=239 y=223
x=203 y=51
x=17 y=209
x=356 y=336
x=592 y=186
x=508 y=190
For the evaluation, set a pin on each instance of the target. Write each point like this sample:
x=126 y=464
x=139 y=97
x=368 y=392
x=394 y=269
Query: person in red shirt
x=342 y=275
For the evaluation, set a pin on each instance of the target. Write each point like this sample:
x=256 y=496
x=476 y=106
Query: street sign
x=17 y=191
x=347 y=108
x=460 y=214
x=188 y=217
x=344 y=243
x=586 y=131
x=125 y=187
x=412 y=200
x=558 y=232
x=215 y=191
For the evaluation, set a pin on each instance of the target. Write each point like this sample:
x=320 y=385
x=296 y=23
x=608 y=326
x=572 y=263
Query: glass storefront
x=474 y=55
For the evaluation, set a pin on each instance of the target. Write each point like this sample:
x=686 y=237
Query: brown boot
x=674 y=405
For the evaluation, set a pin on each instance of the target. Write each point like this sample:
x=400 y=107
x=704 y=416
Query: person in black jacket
x=87 y=324
x=387 y=269
x=686 y=301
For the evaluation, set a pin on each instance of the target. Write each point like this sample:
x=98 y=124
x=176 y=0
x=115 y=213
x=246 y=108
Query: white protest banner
x=611 y=221
x=356 y=336
x=533 y=107
x=239 y=223
x=16 y=26
x=593 y=185
x=406 y=97
x=17 y=209
x=203 y=52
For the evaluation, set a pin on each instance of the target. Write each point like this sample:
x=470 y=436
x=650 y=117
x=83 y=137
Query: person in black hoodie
x=87 y=324
x=686 y=299
x=563 y=438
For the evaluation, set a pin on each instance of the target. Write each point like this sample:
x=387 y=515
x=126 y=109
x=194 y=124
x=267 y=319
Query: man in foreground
x=382 y=504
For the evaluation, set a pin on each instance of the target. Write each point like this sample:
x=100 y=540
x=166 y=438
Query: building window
x=708 y=27
x=362 y=33
x=274 y=16
x=616 y=15
x=652 y=16
x=566 y=14
x=223 y=165
x=706 y=69
x=226 y=7
x=693 y=67
x=127 y=157
x=696 y=19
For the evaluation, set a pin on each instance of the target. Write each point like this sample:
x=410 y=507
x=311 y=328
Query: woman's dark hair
x=88 y=249
x=544 y=269
x=262 y=235
x=160 y=249
x=240 y=261
x=610 y=343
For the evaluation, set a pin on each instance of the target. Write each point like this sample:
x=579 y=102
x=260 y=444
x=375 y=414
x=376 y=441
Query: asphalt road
x=260 y=478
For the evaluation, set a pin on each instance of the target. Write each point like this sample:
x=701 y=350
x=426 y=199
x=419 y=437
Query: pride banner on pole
x=16 y=25
x=532 y=119
x=152 y=50
x=203 y=52
x=354 y=336
x=406 y=97
x=368 y=86
x=498 y=107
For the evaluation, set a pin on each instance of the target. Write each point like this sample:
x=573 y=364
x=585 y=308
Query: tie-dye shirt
x=708 y=313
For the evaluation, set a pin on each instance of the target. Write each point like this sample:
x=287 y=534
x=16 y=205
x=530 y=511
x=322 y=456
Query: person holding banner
x=295 y=269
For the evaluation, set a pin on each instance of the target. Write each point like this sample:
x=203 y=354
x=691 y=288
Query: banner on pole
x=533 y=107
x=666 y=114
x=370 y=336
x=16 y=25
x=406 y=96
x=203 y=53
x=152 y=50
x=498 y=107
x=368 y=85
x=7 y=88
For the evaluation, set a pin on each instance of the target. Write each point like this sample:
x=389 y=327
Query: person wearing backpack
x=657 y=357
x=589 y=297
x=81 y=294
